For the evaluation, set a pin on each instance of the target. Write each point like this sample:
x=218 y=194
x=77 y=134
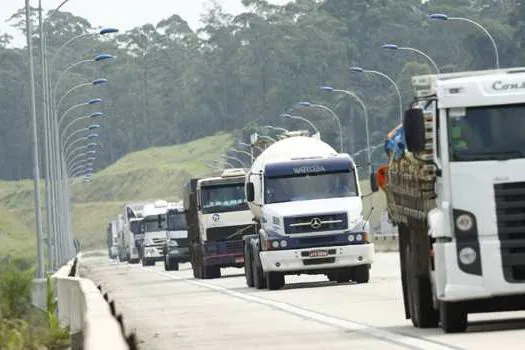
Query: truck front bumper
x=224 y=254
x=153 y=253
x=179 y=254
x=297 y=260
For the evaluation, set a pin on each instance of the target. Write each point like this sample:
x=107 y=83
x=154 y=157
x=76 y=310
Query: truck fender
x=436 y=224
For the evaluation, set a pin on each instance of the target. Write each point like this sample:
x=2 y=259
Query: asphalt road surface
x=172 y=310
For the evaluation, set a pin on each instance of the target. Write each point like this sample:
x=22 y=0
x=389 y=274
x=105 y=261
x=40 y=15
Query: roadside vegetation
x=22 y=327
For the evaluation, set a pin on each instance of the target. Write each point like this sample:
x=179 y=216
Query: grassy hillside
x=16 y=238
x=148 y=174
x=144 y=175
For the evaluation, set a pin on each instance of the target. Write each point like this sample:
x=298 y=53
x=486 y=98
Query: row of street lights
x=62 y=160
x=370 y=149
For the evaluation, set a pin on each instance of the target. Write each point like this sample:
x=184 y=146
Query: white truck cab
x=154 y=225
x=307 y=202
x=471 y=126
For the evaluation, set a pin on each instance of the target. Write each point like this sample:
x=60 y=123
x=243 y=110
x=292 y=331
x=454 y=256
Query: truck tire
x=402 y=248
x=453 y=317
x=344 y=276
x=147 y=262
x=166 y=265
x=274 y=280
x=332 y=276
x=133 y=261
x=422 y=312
x=210 y=272
x=259 y=281
x=248 y=273
x=361 y=274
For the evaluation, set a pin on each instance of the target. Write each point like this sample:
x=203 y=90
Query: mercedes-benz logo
x=315 y=223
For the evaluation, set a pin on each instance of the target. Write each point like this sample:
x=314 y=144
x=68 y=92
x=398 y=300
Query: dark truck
x=176 y=249
x=217 y=216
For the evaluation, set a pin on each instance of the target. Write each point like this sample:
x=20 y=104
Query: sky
x=122 y=14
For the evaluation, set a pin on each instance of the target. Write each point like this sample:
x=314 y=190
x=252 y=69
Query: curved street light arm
x=485 y=31
x=77 y=166
x=338 y=121
x=62 y=134
x=367 y=128
x=64 y=72
x=432 y=62
x=236 y=159
x=66 y=146
x=242 y=152
x=396 y=87
x=69 y=92
x=298 y=117
x=72 y=108
x=69 y=155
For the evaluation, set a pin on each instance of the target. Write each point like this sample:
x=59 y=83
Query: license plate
x=239 y=260
x=318 y=253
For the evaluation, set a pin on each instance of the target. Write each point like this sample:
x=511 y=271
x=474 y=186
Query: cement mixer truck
x=306 y=201
x=455 y=188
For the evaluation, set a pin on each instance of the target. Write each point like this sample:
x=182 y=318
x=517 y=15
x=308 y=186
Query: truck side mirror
x=250 y=192
x=373 y=182
x=414 y=129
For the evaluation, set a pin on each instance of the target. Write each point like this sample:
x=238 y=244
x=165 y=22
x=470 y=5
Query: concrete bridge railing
x=92 y=320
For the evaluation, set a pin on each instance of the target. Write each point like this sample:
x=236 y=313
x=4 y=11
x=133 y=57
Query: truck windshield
x=223 y=198
x=176 y=221
x=309 y=187
x=487 y=133
x=154 y=223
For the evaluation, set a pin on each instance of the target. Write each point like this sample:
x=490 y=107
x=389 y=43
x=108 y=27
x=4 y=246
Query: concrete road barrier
x=385 y=243
x=81 y=306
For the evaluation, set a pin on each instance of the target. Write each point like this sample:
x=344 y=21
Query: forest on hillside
x=169 y=84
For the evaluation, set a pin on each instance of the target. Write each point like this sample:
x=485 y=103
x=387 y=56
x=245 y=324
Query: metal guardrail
x=90 y=315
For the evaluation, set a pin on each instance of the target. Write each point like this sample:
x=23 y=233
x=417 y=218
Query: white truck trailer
x=306 y=201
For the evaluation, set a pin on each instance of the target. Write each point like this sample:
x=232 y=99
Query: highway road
x=173 y=310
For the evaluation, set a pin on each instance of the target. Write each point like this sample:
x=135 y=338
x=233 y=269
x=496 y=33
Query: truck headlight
x=359 y=237
x=467 y=256
x=275 y=244
x=173 y=244
x=284 y=244
x=351 y=237
x=464 y=222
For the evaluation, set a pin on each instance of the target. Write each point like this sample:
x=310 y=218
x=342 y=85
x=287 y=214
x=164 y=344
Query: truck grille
x=510 y=214
x=228 y=233
x=158 y=242
x=182 y=242
x=316 y=223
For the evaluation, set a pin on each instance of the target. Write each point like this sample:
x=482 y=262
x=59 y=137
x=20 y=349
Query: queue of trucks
x=453 y=187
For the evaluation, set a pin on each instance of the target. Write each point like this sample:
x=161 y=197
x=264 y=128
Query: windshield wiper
x=490 y=155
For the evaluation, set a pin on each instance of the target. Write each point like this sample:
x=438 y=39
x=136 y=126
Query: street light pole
x=332 y=113
x=443 y=17
x=400 y=48
x=365 y=112
x=36 y=166
x=396 y=87
x=286 y=115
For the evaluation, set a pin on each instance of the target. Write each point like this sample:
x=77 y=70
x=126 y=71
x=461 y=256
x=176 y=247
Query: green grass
x=16 y=238
x=149 y=174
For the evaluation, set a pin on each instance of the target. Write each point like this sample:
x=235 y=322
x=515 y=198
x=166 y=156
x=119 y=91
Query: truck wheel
x=274 y=280
x=332 y=276
x=361 y=274
x=210 y=272
x=173 y=264
x=248 y=273
x=421 y=305
x=453 y=317
x=166 y=264
x=344 y=276
x=259 y=281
